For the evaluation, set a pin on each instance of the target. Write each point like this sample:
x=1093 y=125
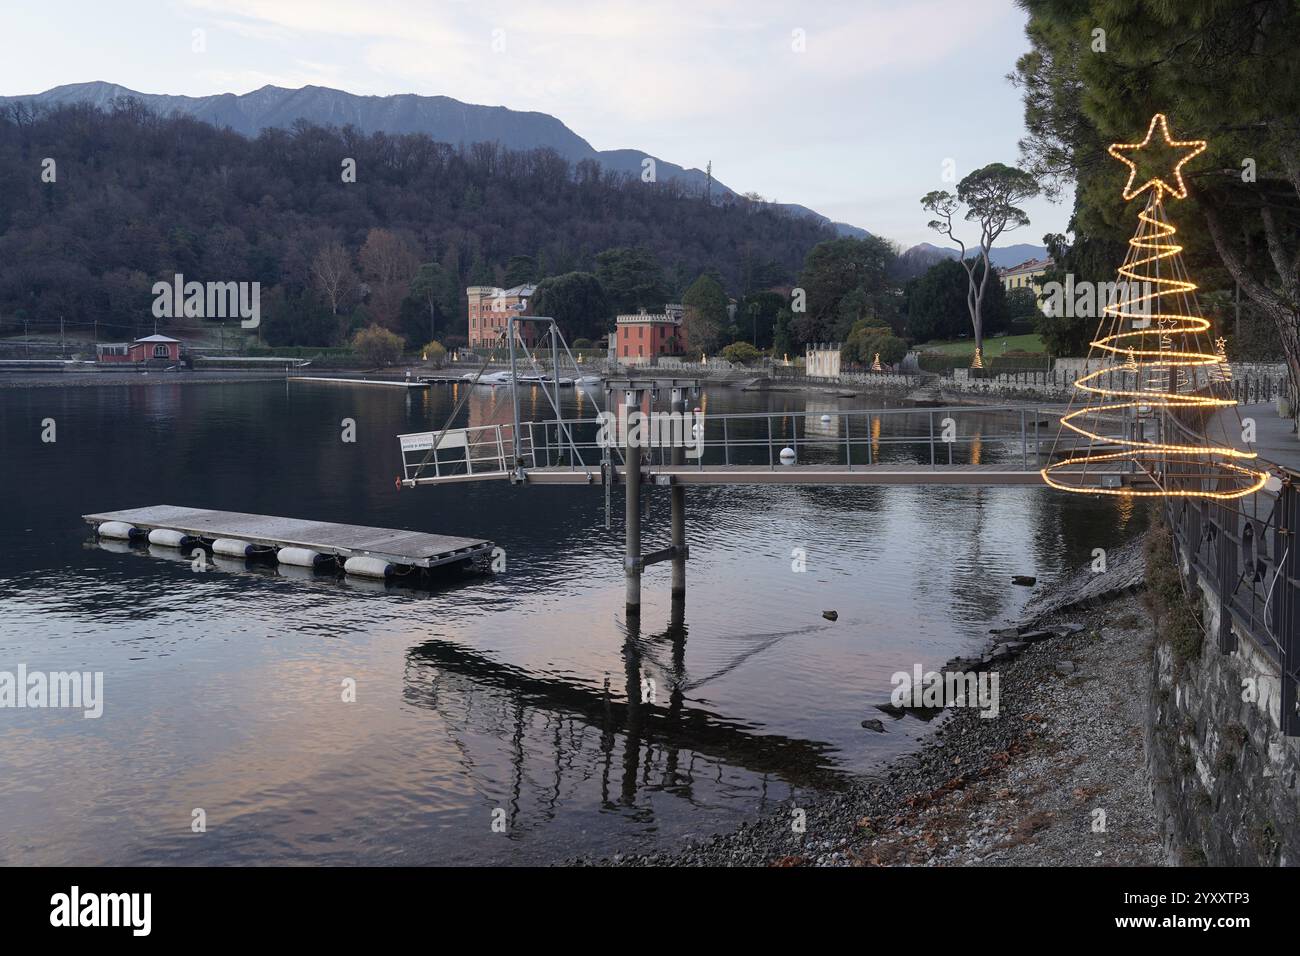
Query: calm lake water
x=223 y=689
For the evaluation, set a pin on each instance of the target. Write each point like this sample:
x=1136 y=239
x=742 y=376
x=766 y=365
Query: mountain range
x=444 y=119
x=1001 y=256
x=441 y=117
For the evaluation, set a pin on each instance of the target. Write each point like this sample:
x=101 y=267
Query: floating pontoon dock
x=382 y=546
x=391 y=382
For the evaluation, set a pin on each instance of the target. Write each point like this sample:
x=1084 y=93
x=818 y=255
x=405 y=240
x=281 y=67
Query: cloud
x=674 y=58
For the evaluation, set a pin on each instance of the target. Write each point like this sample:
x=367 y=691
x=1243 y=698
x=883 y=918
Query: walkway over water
x=958 y=445
x=886 y=474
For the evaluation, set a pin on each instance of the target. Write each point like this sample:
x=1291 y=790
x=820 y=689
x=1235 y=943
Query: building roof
x=158 y=338
x=651 y=317
x=519 y=291
x=1029 y=265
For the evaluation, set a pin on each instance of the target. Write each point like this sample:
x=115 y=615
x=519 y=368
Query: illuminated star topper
x=1192 y=148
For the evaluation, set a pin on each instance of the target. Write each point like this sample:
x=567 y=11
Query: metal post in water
x=514 y=394
x=632 y=515
x=555 y=371
x=608 y=460
x=678 y=494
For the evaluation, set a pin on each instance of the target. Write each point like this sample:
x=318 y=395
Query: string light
x=978 y=361
x=1194 y=148
x=875 y=364
x=1224 y=369
x=1163 y=378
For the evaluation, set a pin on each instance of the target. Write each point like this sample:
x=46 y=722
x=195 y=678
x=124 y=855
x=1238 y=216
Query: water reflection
x=647 y=735
x=525 y=691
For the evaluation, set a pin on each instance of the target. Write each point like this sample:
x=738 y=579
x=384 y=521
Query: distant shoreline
x=37 y=379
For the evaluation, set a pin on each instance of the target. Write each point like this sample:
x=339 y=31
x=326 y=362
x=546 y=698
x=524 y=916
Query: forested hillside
x=135 y=198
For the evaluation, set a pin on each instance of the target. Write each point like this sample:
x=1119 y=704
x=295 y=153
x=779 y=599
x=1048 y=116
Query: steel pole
x=678 y=494
x=514 y=394
x=632 y=515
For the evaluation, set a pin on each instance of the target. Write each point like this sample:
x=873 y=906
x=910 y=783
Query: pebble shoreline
x=1057 y=778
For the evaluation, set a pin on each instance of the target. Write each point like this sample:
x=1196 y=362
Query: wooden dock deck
x=413 y=548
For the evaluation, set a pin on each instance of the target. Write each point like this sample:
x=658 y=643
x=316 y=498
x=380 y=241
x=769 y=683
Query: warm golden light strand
x=1142 y=339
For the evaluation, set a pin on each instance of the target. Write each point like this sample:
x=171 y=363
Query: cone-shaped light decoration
x=1154 y=389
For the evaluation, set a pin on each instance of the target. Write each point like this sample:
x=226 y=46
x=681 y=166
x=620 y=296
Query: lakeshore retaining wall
x=1223 y=774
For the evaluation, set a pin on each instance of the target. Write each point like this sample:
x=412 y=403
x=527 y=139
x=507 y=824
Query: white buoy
x=368 y=567
x=300 y=557
x=169 y=538
x=787 y=455
x=826 y=419
x=232 y=547
x=119 y=529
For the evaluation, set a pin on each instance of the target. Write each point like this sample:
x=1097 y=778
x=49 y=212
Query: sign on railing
x=482 y=451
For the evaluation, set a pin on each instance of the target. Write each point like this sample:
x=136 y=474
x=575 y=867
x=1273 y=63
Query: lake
x=513 y=697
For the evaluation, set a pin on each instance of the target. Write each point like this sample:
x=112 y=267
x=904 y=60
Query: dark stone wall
x=1222 y=773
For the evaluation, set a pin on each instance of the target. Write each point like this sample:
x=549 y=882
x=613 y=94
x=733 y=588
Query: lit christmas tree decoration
x=1161 y=386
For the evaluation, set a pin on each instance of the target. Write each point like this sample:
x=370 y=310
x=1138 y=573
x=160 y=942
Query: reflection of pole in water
x=635 y=714
x=677 y=696
x=517 y=760
x=477 y=695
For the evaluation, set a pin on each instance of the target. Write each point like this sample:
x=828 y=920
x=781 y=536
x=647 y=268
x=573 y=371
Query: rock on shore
x=1057 y=778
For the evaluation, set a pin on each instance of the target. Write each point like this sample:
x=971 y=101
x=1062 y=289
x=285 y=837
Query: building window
x=160 y=351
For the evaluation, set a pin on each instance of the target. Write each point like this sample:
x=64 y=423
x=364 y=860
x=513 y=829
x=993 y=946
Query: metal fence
x=1244 y=553
x=1012 y=434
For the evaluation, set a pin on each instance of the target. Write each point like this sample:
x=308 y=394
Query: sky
x=849 y=107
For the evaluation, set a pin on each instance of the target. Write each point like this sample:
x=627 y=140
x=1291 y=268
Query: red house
x=149 y=348
x=640 y=338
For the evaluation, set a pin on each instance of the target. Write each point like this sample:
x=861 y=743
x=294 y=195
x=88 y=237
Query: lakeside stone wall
x=1223 y=774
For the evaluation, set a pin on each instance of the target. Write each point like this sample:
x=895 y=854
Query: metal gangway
x=633 y=441
x=971 y=445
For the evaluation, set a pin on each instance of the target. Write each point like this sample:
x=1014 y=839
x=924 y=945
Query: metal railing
x=933 y=437
x=1244 y=553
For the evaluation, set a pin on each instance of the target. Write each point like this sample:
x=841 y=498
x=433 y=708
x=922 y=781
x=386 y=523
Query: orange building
x=641 y=337
x=490 y=307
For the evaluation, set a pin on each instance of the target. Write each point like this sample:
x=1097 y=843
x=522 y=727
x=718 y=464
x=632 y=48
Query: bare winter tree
x=332 y=271
x=389 y=262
